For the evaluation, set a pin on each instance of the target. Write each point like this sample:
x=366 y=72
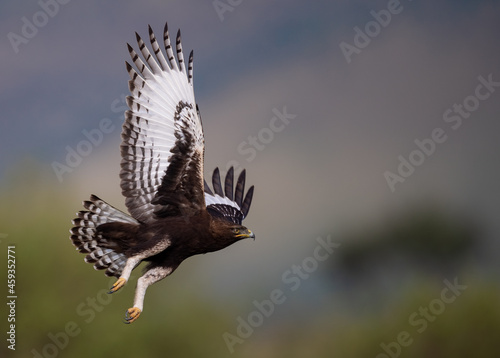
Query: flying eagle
x=173 y=212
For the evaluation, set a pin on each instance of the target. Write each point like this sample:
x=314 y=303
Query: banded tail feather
x=104 y=252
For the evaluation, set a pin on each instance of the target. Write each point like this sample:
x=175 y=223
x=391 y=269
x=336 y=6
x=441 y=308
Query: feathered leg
x=135 y=260
x=131 y=263
x=151 y=276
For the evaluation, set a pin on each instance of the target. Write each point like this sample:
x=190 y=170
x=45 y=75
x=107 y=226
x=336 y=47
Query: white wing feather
x=156 y=121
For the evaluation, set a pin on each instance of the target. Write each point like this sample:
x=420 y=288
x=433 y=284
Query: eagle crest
x=174 y=214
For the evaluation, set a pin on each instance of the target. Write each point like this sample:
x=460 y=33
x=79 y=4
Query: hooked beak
x=249 y=234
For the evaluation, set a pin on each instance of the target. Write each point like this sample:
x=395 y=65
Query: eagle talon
x=117 y=285
x=132 y=314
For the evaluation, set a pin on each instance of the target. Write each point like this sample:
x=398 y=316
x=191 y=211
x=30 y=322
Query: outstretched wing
x=223 y=204
x=162 y=138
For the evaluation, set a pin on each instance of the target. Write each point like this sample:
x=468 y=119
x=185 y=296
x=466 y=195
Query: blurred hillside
x=379 y=286
x=424 y=239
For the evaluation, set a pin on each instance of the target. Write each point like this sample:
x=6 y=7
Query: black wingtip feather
x=245 y=207
x=216 y=183
x=233 y=213
x=240 y=188
x=228 y=183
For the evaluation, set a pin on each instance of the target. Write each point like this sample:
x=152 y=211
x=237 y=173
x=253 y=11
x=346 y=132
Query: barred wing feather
x=162 y=137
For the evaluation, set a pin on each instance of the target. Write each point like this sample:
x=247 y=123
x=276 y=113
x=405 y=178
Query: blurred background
x=376 y=202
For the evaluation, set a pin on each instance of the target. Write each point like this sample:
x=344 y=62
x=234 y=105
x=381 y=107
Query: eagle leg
x=133 y=261
x=151 y=276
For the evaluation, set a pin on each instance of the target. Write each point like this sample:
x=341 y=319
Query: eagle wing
x=162 y=137
x=223 y=204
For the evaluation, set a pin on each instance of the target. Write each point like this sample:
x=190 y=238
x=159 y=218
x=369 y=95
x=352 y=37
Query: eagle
x=174 y=214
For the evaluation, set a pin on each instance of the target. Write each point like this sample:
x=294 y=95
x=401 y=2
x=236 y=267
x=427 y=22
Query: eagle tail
x=102 y=250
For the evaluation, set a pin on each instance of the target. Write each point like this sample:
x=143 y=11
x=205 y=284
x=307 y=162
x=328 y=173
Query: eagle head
x=225 y=234
x=241 y=232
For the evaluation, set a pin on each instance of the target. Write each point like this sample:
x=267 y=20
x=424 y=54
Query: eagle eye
x=236 y=231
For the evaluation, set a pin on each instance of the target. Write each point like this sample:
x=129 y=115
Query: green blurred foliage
x=56 y=288
x=467 y=327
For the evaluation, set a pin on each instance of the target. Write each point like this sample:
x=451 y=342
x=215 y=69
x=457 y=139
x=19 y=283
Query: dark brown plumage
x=174 y=213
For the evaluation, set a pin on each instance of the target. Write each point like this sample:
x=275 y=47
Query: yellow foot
x=132 y=314
x=117 y=285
